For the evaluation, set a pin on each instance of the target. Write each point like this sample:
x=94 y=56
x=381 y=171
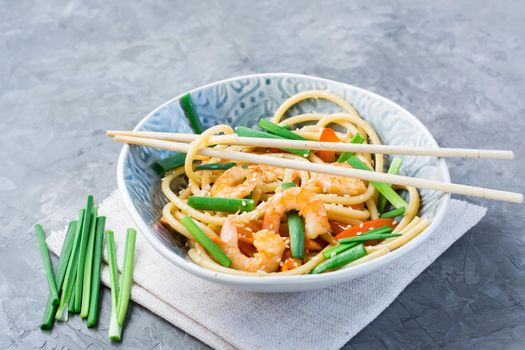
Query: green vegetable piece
x=393 y=213
x=279 y=130
x=86 y=223
x=186 y=103
x=162 y=166
x=287 y=185
x=383 y=188
x=53 y=290
x=205 y=241
x=88 y=266
x=368 y=237
x=393 y=169
x=341 y=259
x=65 y=253
x=127 y=276
x=357 y=138
x=95 y=273
x=215 y=166
x=229 y=205
x=115 y=330
x=247 y=132
x=295 y=228
x=71 y=273
x=333 y=251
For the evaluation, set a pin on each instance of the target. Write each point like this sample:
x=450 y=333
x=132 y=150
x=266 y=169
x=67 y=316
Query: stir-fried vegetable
x=365 y=227
x=230 y=205
x=295 y=229
x=215 y=166
x=327 y=135
x=383 y=188
x=341 y=259
x=393 y=169
x=393 y=213
x=343 y=157
x=247 y=132
x=205 y=241
x=162 y=166
x=186 y=103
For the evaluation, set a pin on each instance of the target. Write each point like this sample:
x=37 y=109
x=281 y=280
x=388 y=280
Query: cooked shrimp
x=236 y=182
x=339 y=185
x=272 y=174
x=270 y=247
x=309 y=207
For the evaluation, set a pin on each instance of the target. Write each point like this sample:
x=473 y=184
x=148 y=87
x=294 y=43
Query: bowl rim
x=280 y=281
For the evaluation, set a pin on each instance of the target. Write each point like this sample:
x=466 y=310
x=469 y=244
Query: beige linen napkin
x=229 y=319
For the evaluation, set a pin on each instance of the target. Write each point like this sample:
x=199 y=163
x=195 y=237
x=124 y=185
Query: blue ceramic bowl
x=243 y=101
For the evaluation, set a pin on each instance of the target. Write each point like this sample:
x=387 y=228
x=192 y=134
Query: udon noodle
x=258 y=241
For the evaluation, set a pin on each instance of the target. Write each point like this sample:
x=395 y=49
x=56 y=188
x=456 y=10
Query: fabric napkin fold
x=228 y=319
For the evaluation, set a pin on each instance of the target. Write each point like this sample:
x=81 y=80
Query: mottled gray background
x=71 y=69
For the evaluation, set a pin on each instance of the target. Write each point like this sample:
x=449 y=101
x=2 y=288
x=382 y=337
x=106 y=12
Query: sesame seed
x=332 y=254
x=359 y=233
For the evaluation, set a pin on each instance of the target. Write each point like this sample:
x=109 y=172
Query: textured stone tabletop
x=71 y=69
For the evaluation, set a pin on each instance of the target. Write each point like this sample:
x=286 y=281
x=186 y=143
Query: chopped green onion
x=189 y=110
x=82 y=253
x=247 y=132
x=337 y=249
x=393 y=213
x=230 y=205
x=383 y=188
x=127 y=276
x=393 y=169
x=65 y=253
x=205 y=241
x=71 y=273
x=95 y=274
x=279 y=130
x=53 y=290
x=88 y=266
x=341 y=259
x=333 y=251
x=357 y=138
x=162 y=166
x=368 y=237
x=215 y=166
x=287 y=185
x=295 y=228
x=115 y=330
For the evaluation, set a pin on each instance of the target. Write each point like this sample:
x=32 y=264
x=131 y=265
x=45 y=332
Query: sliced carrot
x=290 y=264
x=365 y=227
x=328 y=135
x=338 y=227
x=312 y=245
x=359 y=206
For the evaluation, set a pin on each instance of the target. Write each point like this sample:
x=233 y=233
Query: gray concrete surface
x=71 y=69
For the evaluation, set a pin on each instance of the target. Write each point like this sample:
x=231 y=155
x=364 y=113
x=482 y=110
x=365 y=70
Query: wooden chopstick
x=329 y=169
x=326 y=146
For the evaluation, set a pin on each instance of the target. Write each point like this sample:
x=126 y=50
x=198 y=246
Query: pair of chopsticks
x=178 y=142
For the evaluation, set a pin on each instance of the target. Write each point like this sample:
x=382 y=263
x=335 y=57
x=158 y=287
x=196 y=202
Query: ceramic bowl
x=243 y=101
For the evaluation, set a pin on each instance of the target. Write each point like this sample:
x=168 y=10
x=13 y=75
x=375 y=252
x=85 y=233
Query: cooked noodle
x=263 y=185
